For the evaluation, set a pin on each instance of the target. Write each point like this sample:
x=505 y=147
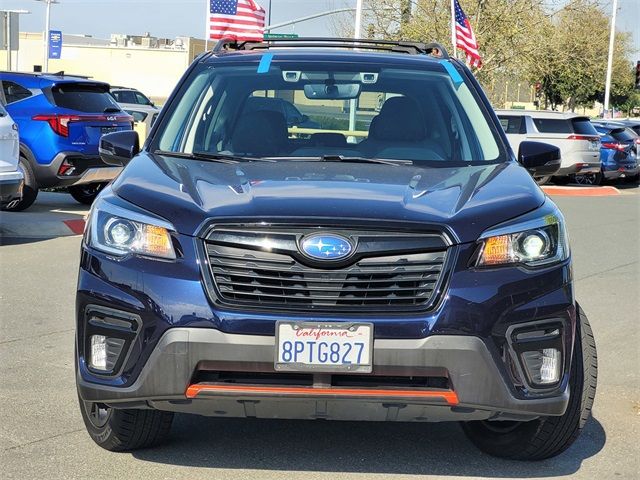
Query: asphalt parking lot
x=42 y=434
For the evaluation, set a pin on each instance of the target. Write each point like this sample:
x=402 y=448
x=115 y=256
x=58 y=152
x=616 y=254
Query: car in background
x=632 y=123
x=11 y=177
x=573 y=134
x=132 y=100
x=131 y=97
x=618 y=153
x=293 y=116
x=61 y=119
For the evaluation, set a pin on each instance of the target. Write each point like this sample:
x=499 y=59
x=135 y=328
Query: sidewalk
x=53 y=215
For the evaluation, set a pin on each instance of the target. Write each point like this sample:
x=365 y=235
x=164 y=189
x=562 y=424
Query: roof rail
x=47 y=74
x=400 y=46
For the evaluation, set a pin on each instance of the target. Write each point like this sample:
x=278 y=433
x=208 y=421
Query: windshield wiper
x=213 y=157
x=343 y=158
x=111 y=110
x=199 y=156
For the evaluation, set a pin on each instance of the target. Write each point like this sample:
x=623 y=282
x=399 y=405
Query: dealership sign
x=55 y=43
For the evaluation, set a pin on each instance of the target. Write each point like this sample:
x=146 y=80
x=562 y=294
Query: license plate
x=105 y=130
x=324 y=347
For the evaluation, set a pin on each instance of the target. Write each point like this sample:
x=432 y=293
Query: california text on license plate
x=324 y=347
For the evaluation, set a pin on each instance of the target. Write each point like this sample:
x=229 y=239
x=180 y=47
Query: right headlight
x=536 y=242
x=119 y=232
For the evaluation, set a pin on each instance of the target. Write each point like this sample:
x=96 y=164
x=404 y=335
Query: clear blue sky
x=171 y=18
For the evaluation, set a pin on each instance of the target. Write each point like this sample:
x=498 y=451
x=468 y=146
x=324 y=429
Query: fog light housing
x=537 y=351
x=109 y=335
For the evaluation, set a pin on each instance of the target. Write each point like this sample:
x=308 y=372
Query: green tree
x=572 y=65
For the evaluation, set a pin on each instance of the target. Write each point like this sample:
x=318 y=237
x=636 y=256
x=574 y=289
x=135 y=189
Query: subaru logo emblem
x=326 y=247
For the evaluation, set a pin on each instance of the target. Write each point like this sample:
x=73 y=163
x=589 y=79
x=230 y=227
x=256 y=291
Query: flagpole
x=607 y=87
x=453 y=30
x=206 y=27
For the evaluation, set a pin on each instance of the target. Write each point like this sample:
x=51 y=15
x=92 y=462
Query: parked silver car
x=573 y=134
x=11 y=176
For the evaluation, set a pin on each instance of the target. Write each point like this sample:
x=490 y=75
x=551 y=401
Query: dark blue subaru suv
x=394 y=263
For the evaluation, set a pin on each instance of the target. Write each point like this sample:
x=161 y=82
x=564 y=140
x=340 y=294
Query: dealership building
x=150 y=64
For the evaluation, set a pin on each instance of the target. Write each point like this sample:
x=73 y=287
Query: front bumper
x=11 y=184
x=478 y=388
x=182 y=335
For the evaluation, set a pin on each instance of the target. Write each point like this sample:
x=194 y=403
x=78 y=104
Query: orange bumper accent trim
x=448 y=396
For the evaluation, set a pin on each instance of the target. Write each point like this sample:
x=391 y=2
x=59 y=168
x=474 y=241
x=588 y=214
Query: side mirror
x=541 y=159
x=118 y=148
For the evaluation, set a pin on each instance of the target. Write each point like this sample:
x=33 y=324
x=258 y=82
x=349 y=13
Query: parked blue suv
x=409 y=272
x=61 y=119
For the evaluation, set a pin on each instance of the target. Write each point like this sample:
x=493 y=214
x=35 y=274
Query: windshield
x=324 y=109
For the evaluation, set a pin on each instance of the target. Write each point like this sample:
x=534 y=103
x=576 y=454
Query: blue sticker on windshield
x=456 y=78
x=265 y=63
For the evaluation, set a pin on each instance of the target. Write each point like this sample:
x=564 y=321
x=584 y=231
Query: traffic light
x=638 y=75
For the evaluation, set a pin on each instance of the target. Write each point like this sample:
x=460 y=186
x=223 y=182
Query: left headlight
x=119 y=232
x=534 y=243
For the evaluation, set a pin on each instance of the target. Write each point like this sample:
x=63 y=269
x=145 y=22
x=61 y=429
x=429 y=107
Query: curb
x=46 y=229
x=581 y=191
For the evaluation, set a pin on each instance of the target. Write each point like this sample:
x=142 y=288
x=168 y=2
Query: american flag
x=464 y=37
x=236 y=19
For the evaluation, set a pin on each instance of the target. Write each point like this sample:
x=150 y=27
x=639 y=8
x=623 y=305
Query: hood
x=465 y=200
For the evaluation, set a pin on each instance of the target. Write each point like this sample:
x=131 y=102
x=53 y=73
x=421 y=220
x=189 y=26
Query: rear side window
x=83 y=97
x=513 y=124
x=14 y=92
x=583 y=126
x=553 y=125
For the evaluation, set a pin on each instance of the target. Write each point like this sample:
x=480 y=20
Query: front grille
x=266 y=269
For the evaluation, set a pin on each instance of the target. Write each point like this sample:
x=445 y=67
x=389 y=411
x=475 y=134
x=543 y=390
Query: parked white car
x=573 y=134
x=11 y=177
x=132 y=100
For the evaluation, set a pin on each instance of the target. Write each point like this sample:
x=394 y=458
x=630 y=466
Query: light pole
x=356 y=35
x=612 y=35
x=9 y=33
x=45 y=34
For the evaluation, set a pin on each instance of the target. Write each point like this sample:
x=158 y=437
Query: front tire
x=86 y=194
x=120 y=430
x=547 y=436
